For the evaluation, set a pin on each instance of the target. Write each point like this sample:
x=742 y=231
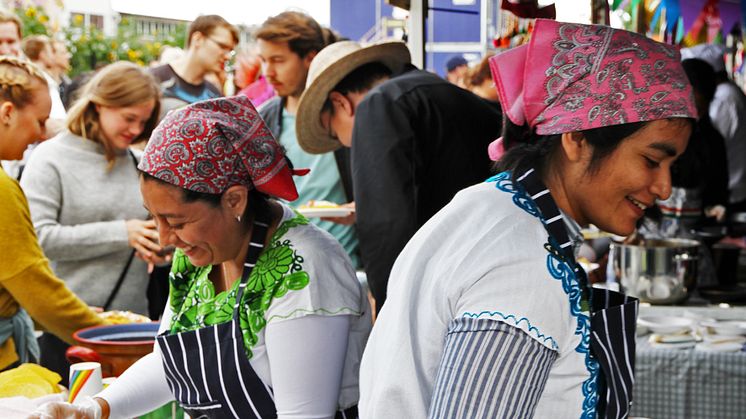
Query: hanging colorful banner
x=707 y=27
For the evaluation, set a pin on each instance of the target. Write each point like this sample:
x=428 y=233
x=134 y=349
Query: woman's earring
x=238 y=218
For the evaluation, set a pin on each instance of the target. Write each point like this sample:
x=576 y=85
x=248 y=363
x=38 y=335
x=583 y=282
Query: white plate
x=666 y=324
x=726 y=327
x=720 y=347
x=589 y=266
x=326 y=212
x=681 y=338
x=682 y=345
x=719 y=339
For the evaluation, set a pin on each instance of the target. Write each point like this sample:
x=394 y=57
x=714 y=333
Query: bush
x=91 y=49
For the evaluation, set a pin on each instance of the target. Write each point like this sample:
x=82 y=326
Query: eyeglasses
x=228 y=49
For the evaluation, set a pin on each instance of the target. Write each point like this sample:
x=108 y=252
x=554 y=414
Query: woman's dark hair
x=258 y=204
x=701 y=76
x=526 y=149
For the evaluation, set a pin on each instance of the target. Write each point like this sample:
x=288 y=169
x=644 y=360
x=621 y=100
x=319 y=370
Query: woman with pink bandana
x=488 y=313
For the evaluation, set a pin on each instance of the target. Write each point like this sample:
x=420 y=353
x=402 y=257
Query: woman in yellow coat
x=28 y=288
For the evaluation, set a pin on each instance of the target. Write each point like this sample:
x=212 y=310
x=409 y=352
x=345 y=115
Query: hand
x=142 y=236
x=87 y=409
x=346 y=220
x=716 y=211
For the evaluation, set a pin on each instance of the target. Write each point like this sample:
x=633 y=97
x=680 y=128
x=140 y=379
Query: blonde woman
x=25 y=274
x=83 y=192
x=82 y=187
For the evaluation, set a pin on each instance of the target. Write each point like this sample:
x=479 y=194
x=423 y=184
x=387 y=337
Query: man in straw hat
x=415 y=141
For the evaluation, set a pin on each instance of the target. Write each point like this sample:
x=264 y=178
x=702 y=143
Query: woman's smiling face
x=207 y=234
x=630 y=179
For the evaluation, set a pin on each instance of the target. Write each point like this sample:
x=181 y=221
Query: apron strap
x=559 y=242
x=256 y=245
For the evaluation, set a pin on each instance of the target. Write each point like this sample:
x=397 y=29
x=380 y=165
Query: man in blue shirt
x=287 y=44
x=210 y=43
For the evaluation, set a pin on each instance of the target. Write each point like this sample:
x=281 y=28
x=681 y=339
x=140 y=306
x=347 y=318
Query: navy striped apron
x=207 y=369
x=613 y=315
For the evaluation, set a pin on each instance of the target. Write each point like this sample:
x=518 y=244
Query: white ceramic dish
x=726 y=327
x=326 y=212
x=680 y=338
x=720 y=347
x=718 y=339
x=666 y=325
x=680 y=345
x=588 y=267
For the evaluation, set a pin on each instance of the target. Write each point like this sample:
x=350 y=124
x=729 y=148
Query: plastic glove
x=85 y=409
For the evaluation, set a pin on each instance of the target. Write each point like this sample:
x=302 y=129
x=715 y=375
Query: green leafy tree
x=91 y=49
x=34 y=19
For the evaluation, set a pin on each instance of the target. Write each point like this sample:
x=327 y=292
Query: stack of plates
x=669 y=332
x=726 y=327
x=723 y=336
x=666 y=325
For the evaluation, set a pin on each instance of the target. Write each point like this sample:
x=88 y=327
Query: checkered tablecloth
x=687 y=383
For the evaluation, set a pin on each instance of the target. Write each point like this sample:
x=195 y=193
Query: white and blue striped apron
x=613 y=315
x=207 y=369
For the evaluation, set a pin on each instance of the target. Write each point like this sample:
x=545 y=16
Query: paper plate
x=589 y=266
x=720 y=347
x=681 y=345
x=666 y=325
x=326 y=212
x=726 y=327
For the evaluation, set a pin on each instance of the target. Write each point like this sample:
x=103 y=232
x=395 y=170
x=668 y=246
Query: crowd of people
x=154 y=190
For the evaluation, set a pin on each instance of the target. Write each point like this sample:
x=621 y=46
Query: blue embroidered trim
x=516 y=321
x=562 y=271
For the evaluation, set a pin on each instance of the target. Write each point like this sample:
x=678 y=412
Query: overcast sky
x=246 y=11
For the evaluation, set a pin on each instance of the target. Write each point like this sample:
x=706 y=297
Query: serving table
x=689 y=383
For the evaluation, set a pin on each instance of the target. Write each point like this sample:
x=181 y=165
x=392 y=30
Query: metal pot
x=658 y=271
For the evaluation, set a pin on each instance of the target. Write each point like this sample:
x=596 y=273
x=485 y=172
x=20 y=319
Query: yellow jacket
x=26 y=280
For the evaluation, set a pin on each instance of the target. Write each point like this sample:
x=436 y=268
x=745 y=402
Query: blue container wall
x=354 y=18
x=454 y=23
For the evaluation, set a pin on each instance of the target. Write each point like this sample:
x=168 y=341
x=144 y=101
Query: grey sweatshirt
x=79 y=208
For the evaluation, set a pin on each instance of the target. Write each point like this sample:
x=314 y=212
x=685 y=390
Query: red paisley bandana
x=573 y=77
x=212 y=145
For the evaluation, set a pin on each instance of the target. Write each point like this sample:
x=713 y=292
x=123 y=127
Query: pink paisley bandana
x=573 y=77
x=211 y=145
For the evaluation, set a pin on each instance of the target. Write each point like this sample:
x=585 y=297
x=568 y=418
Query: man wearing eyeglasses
x=210 y=44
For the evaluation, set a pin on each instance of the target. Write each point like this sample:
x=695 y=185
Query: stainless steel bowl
x=658 y=271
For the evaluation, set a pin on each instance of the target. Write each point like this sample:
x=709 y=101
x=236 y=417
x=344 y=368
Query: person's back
x=417 y=141
x=728 y=115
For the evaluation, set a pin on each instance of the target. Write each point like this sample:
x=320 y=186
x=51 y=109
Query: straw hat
x=328 y=68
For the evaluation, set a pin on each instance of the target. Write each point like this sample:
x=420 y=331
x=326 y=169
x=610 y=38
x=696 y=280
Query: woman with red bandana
x=266 y=317
x=489 y=315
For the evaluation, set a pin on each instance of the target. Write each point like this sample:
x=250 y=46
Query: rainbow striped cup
x=85 y=380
